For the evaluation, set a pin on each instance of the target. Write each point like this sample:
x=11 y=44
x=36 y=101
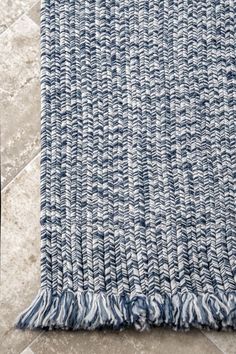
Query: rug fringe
x=89 y=310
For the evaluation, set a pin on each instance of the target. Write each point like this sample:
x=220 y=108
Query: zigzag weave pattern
x=138 y=165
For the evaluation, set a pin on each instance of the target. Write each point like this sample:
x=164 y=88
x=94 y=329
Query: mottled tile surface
x=20 y=243
x=34 y=13
x=20 y=96
x=27 y=351
x=156 y=341
x=11 y=10
x=19 y=54
x=226 y=341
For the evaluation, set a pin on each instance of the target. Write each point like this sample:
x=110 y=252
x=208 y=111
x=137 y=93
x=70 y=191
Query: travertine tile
x=34 y=13
x=2 y=28
x=158 y=341
x=27 y=351
x=11 y=10
x=19 y=61
x=20 y=244
x=20 y=132
x=225 y=341
x=20 y=97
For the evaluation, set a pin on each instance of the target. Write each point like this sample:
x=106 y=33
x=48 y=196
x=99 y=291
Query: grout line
x=36 y=1
x=213 y=342
x=20 y=171
x=28 y=346
x=21 y=16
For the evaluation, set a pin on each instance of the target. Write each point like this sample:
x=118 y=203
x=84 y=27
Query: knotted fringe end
x=89 y=311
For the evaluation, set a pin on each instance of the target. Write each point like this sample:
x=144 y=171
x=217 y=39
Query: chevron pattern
x=138 y=165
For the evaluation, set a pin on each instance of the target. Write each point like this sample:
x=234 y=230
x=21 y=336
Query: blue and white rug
x=138 y=165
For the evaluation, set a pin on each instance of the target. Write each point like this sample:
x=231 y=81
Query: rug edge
x=87 y=310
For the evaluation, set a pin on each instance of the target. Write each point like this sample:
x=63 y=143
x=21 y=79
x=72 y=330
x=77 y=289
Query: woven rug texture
x=138 y=165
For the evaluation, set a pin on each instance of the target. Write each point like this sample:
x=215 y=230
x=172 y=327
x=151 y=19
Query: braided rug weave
x=138 y=165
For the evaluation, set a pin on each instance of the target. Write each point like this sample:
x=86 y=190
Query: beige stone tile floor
x=20 y=94
x=20 y=232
